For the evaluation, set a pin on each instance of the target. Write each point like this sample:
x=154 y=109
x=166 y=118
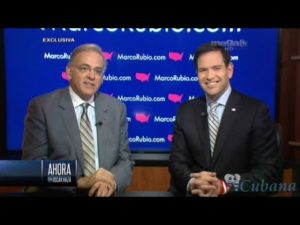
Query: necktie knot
x=213 y=106
x=84 y=108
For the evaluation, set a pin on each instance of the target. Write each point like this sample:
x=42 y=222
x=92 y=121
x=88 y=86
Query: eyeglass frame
x=84 y=69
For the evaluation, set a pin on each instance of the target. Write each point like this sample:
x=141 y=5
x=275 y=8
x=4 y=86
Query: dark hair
x=212 y=47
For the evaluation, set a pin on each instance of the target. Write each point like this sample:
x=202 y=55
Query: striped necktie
x=213 y=124
x=87 y=140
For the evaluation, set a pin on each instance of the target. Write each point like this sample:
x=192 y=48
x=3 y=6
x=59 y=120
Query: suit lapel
x=101 y=110
x=202 y=128
x=228 y=120
x=68 y=116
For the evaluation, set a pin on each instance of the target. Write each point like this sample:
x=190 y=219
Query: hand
x=101 y=189
x=105 y=176
x=100 y=183
x=204 y=184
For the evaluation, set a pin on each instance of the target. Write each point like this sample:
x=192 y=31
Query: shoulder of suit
x=246 y=99
x=56 y=94
x=193 y=103
x=108 y=99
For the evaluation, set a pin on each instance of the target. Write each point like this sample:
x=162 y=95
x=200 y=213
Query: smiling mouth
x=212 y=84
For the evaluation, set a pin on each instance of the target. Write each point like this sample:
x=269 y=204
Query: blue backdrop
x=149 y=69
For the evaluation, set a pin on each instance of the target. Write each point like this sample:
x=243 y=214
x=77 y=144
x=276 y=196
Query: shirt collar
x=222 y=100
x=77 y=101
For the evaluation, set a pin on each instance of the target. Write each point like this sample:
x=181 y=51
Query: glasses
x=84 y=69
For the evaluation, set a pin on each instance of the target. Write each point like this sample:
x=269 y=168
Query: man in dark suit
x=225 y=141
x=53 y=127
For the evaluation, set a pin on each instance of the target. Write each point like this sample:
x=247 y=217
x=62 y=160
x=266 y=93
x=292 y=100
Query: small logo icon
x=175 y=98
x=108 y=55
x=170 y=137
x=142 y=117
x=176 y=56
x=65 y=76
x=233 y=180
x=143 y=77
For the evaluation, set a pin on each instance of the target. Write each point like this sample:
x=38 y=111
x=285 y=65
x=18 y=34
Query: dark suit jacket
x=52 y=132
x=245 y=142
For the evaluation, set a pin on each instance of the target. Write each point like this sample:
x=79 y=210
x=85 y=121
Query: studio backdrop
x=151 y=70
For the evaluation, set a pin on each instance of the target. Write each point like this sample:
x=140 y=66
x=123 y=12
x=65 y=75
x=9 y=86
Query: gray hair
x=87 y=48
